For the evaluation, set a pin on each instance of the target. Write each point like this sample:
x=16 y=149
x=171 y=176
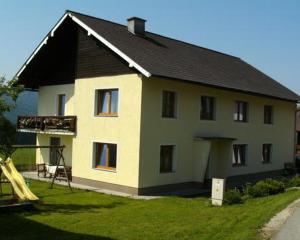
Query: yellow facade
x=48 y=99
x=123 y=130
x=47 y=106
x=139 y=130
x=156 y=131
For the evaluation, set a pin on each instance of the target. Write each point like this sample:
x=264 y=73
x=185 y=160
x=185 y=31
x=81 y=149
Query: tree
x=8 y=89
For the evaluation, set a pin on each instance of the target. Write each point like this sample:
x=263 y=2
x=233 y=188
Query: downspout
x=295 y=133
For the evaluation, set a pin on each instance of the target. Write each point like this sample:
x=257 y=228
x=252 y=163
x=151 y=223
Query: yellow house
x=140 y=113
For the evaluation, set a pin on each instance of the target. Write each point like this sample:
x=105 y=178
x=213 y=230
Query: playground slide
x=17 y=181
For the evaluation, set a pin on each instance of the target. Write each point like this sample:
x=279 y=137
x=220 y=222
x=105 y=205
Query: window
x=241 y=111
x=298 y=138
x=107 y=103
x=239 y=155
x=106 y=156
x=61 y=104
x=169 y=104
x=166 y=158
x=268 y=114
x=207 y=108
x=266 y=153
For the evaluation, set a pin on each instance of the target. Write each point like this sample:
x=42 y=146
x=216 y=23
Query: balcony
x=62 y=125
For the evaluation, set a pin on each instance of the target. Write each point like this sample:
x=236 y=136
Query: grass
x=23 y=156
x=88 y=215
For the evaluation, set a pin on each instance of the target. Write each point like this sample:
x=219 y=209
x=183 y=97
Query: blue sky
x=265 y=33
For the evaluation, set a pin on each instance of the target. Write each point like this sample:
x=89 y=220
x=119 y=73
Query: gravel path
x=291 y=229
x=285 y=225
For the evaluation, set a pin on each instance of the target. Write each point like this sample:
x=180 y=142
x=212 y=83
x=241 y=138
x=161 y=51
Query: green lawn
x=23 y=156
x=88 y=215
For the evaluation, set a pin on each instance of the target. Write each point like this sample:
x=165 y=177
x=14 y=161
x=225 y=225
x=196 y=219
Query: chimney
x=136 y=25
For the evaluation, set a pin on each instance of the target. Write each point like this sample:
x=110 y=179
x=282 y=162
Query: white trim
x=109 y=45
x=58 y=24
x=47 y=132
x=44 y=41
x=89 y=32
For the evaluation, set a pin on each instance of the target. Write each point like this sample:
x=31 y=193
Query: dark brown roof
x=166 y=57
x=170 y=58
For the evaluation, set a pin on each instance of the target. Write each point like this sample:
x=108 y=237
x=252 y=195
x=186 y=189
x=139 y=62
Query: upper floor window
x=169 y=104
x=61 y=102
x=266 y=153
x=207 y=108
x=166 y=158
x=106 y=156
x=107 y=102
x=239 y=155
x=241 y=111
x=268 y=114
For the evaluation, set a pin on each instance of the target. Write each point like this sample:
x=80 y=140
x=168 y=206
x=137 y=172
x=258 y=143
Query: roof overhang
x=90 y=32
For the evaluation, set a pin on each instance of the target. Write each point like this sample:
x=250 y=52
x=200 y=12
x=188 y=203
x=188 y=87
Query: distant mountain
x=26 y=105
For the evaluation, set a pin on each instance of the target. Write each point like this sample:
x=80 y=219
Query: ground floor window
x=53 y=154
x=266 y=153
x=167 y=158
x=105 y=155
x=239 y=155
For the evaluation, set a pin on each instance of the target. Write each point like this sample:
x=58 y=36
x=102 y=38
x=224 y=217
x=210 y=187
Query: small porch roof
x=201 y=138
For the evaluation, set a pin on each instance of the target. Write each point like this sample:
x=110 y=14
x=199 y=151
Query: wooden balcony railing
x=61 y=124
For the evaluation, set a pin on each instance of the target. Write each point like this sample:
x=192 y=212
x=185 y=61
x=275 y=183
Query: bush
x=276 y=186
x=260 y=189
x=233 y=196
x=265 y=188
x=294 y=182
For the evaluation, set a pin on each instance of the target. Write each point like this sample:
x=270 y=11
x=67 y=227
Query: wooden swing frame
x=59 y=149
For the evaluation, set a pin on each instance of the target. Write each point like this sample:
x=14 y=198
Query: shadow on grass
x=42 y=208
x=17 y=227
x=55 y=194
x=197 y=195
